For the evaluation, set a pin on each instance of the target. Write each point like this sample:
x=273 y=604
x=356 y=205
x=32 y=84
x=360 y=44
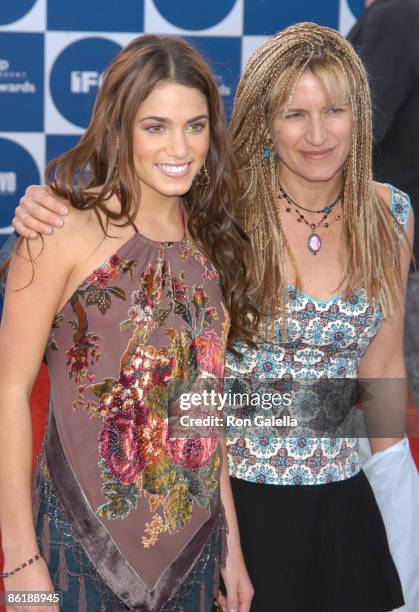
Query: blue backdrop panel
x=224 y=56
x=53 y=53
x=356 y=7
x=269 y=17
x=57 y=145
x=21 y=82
x=196 y=15
x=96 y=16
x=11 y=12
x=76 y=74
x=18 y=169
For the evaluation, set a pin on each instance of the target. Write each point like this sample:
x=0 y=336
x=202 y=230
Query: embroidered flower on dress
x=133 y=403
x=101 y=277
x=209 y=355
x=192 y=453
x=82 y=355
x=118 y=444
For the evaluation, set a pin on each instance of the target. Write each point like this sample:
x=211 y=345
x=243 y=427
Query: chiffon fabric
x=135 y=335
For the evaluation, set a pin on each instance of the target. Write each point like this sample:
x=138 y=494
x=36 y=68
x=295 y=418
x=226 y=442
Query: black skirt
x=320 y=548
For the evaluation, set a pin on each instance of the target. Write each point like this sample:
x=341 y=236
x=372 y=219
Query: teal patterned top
x=326 y=340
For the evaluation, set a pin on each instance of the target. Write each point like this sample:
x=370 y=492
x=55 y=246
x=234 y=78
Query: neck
x=311 y=194
x=158 y=215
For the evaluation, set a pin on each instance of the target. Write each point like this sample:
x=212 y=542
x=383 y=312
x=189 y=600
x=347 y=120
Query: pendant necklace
x=314 y=242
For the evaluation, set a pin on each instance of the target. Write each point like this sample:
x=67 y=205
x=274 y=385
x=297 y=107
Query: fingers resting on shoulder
x=39 y=211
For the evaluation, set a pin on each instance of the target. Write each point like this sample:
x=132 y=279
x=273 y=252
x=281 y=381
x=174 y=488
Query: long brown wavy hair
x=371 y=245
x=104 y=159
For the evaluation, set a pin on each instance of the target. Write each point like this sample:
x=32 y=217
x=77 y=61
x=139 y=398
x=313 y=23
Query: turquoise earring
x=268 y=150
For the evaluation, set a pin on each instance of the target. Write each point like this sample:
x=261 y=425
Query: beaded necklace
x=314 y=242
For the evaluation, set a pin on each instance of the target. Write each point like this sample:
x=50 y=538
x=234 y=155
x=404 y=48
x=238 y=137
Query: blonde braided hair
x=268 y=83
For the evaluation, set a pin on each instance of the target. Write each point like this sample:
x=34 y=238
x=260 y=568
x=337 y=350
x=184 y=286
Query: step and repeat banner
x=53 y=52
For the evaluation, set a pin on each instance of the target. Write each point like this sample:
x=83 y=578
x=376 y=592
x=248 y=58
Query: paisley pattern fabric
x=132 y=338
x=325 y=340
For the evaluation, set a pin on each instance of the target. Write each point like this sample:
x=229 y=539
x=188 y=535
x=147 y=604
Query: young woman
x=331 y=259
x=130 y=313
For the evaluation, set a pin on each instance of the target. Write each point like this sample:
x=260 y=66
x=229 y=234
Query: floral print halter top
x=142 y=325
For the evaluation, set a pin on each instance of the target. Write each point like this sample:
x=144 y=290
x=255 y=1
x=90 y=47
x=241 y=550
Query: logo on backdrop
x=224 y=56
x=12 y=11
x=96 y=16
x=265 y=18
x=194 y=14
x=82 y=81
x=76 y=76
x=357 y=7
x=18 y=169
x=21 y=82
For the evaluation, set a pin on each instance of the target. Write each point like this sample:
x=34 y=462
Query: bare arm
x=29 y=308
x=383 y=367
x=235 y=576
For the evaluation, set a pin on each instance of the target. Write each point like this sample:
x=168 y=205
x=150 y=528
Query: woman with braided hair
x=331 y=258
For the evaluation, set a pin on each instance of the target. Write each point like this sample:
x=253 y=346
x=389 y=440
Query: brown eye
x=155 y=129
x=197 y=127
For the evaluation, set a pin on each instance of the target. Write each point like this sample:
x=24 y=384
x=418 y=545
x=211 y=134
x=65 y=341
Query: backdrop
x=53 y=52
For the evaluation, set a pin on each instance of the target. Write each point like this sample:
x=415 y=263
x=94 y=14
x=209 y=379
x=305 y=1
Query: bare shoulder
x=399 y=203
x=60 y=252
x=68 y=254
x=384 y=192
x=77 y=224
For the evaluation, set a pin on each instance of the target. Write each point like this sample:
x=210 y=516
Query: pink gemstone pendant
x=314 y=243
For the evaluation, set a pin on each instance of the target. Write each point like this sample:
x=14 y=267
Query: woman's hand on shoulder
x=39 y=211
x=50 y=256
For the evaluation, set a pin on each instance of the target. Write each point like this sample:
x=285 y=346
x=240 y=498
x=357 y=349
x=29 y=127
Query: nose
x=177 y=145
x=316 y=131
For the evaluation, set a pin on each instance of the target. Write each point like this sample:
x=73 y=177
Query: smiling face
x=170 y=140
x=313 y=134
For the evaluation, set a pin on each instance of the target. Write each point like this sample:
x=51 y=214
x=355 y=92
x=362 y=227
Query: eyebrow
x=166 y=120
x=303 y=110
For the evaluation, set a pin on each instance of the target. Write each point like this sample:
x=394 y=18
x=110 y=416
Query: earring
x=268 y=150
x=115 y=173
x=202 y=179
